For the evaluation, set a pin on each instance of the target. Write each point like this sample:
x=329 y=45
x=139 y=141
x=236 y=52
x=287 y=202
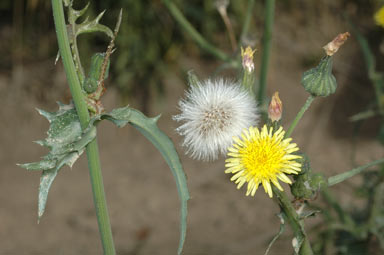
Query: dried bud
x=247 y=56
x=333 y=46
x=275 y=108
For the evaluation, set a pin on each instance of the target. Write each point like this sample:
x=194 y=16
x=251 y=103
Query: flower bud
x=275 y=108
x=247 y=59
x=319 y=81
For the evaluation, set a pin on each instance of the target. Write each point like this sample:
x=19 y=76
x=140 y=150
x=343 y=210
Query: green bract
x=319 y=81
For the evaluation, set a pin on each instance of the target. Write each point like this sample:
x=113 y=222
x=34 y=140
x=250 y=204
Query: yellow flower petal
x=262 y=157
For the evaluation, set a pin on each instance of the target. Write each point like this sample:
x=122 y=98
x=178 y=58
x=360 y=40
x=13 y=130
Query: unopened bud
x=333 y=46
x=247 y=59
x=275 y=108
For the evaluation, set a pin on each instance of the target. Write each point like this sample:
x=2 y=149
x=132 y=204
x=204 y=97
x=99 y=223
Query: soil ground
x=141 y=193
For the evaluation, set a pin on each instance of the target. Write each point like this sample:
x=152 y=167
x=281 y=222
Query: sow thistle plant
x=218 y=117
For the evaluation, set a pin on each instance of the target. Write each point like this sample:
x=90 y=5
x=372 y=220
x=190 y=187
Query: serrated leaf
x=93 y=26
x=148 y=127
x=73 y=14
x=66 y=142
x=87 y=26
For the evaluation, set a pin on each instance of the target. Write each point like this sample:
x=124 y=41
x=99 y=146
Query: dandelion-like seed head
x=262 y=157
x=211 y=114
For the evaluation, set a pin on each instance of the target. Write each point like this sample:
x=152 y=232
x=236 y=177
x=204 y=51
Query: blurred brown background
x=148 y=72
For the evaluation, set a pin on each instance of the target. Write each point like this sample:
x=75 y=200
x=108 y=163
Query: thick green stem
x=82 y=111
x=346 y=175
x=199 y=39
x=268 y=27
x=299 y=115
x=294 y=220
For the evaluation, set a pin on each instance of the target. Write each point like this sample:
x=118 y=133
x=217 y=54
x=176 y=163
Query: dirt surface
x=141 y=192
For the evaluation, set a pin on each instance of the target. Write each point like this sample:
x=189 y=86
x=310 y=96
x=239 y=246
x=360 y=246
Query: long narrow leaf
x=148 y=127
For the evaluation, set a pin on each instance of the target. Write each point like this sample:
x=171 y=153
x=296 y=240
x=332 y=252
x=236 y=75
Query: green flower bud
x=319 y=81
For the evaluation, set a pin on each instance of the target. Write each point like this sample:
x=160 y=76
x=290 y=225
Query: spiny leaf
x=73 y=14
x=148 y=127
x=66 y=142
x=93 y=26
x=86 y=26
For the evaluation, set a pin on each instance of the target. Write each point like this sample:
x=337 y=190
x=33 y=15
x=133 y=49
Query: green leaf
x=86 y=26
x=66 y=142
x=93 y=26
x=148 y=127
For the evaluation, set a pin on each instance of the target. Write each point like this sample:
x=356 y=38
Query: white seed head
x=212 y=113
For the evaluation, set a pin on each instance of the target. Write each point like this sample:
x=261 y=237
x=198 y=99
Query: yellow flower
x=262 y=157
x=379 y=17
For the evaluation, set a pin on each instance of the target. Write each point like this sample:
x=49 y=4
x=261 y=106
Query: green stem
x=294 y=220
x=199 y=39
x=247 y=20
x=82 y=111
x=346 y=175
x=299 y=115
x=248 y=82
x=268 y=27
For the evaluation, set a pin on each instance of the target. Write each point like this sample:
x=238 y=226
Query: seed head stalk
x=82 y=111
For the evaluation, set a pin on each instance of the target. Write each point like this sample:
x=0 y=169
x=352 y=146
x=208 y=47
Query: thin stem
x=294 y=220
x=247 y=20
x=299 y=115
x=224 y=15
x=268 y=27
x=82 y=111
x=199 y=39
x=346 y=175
